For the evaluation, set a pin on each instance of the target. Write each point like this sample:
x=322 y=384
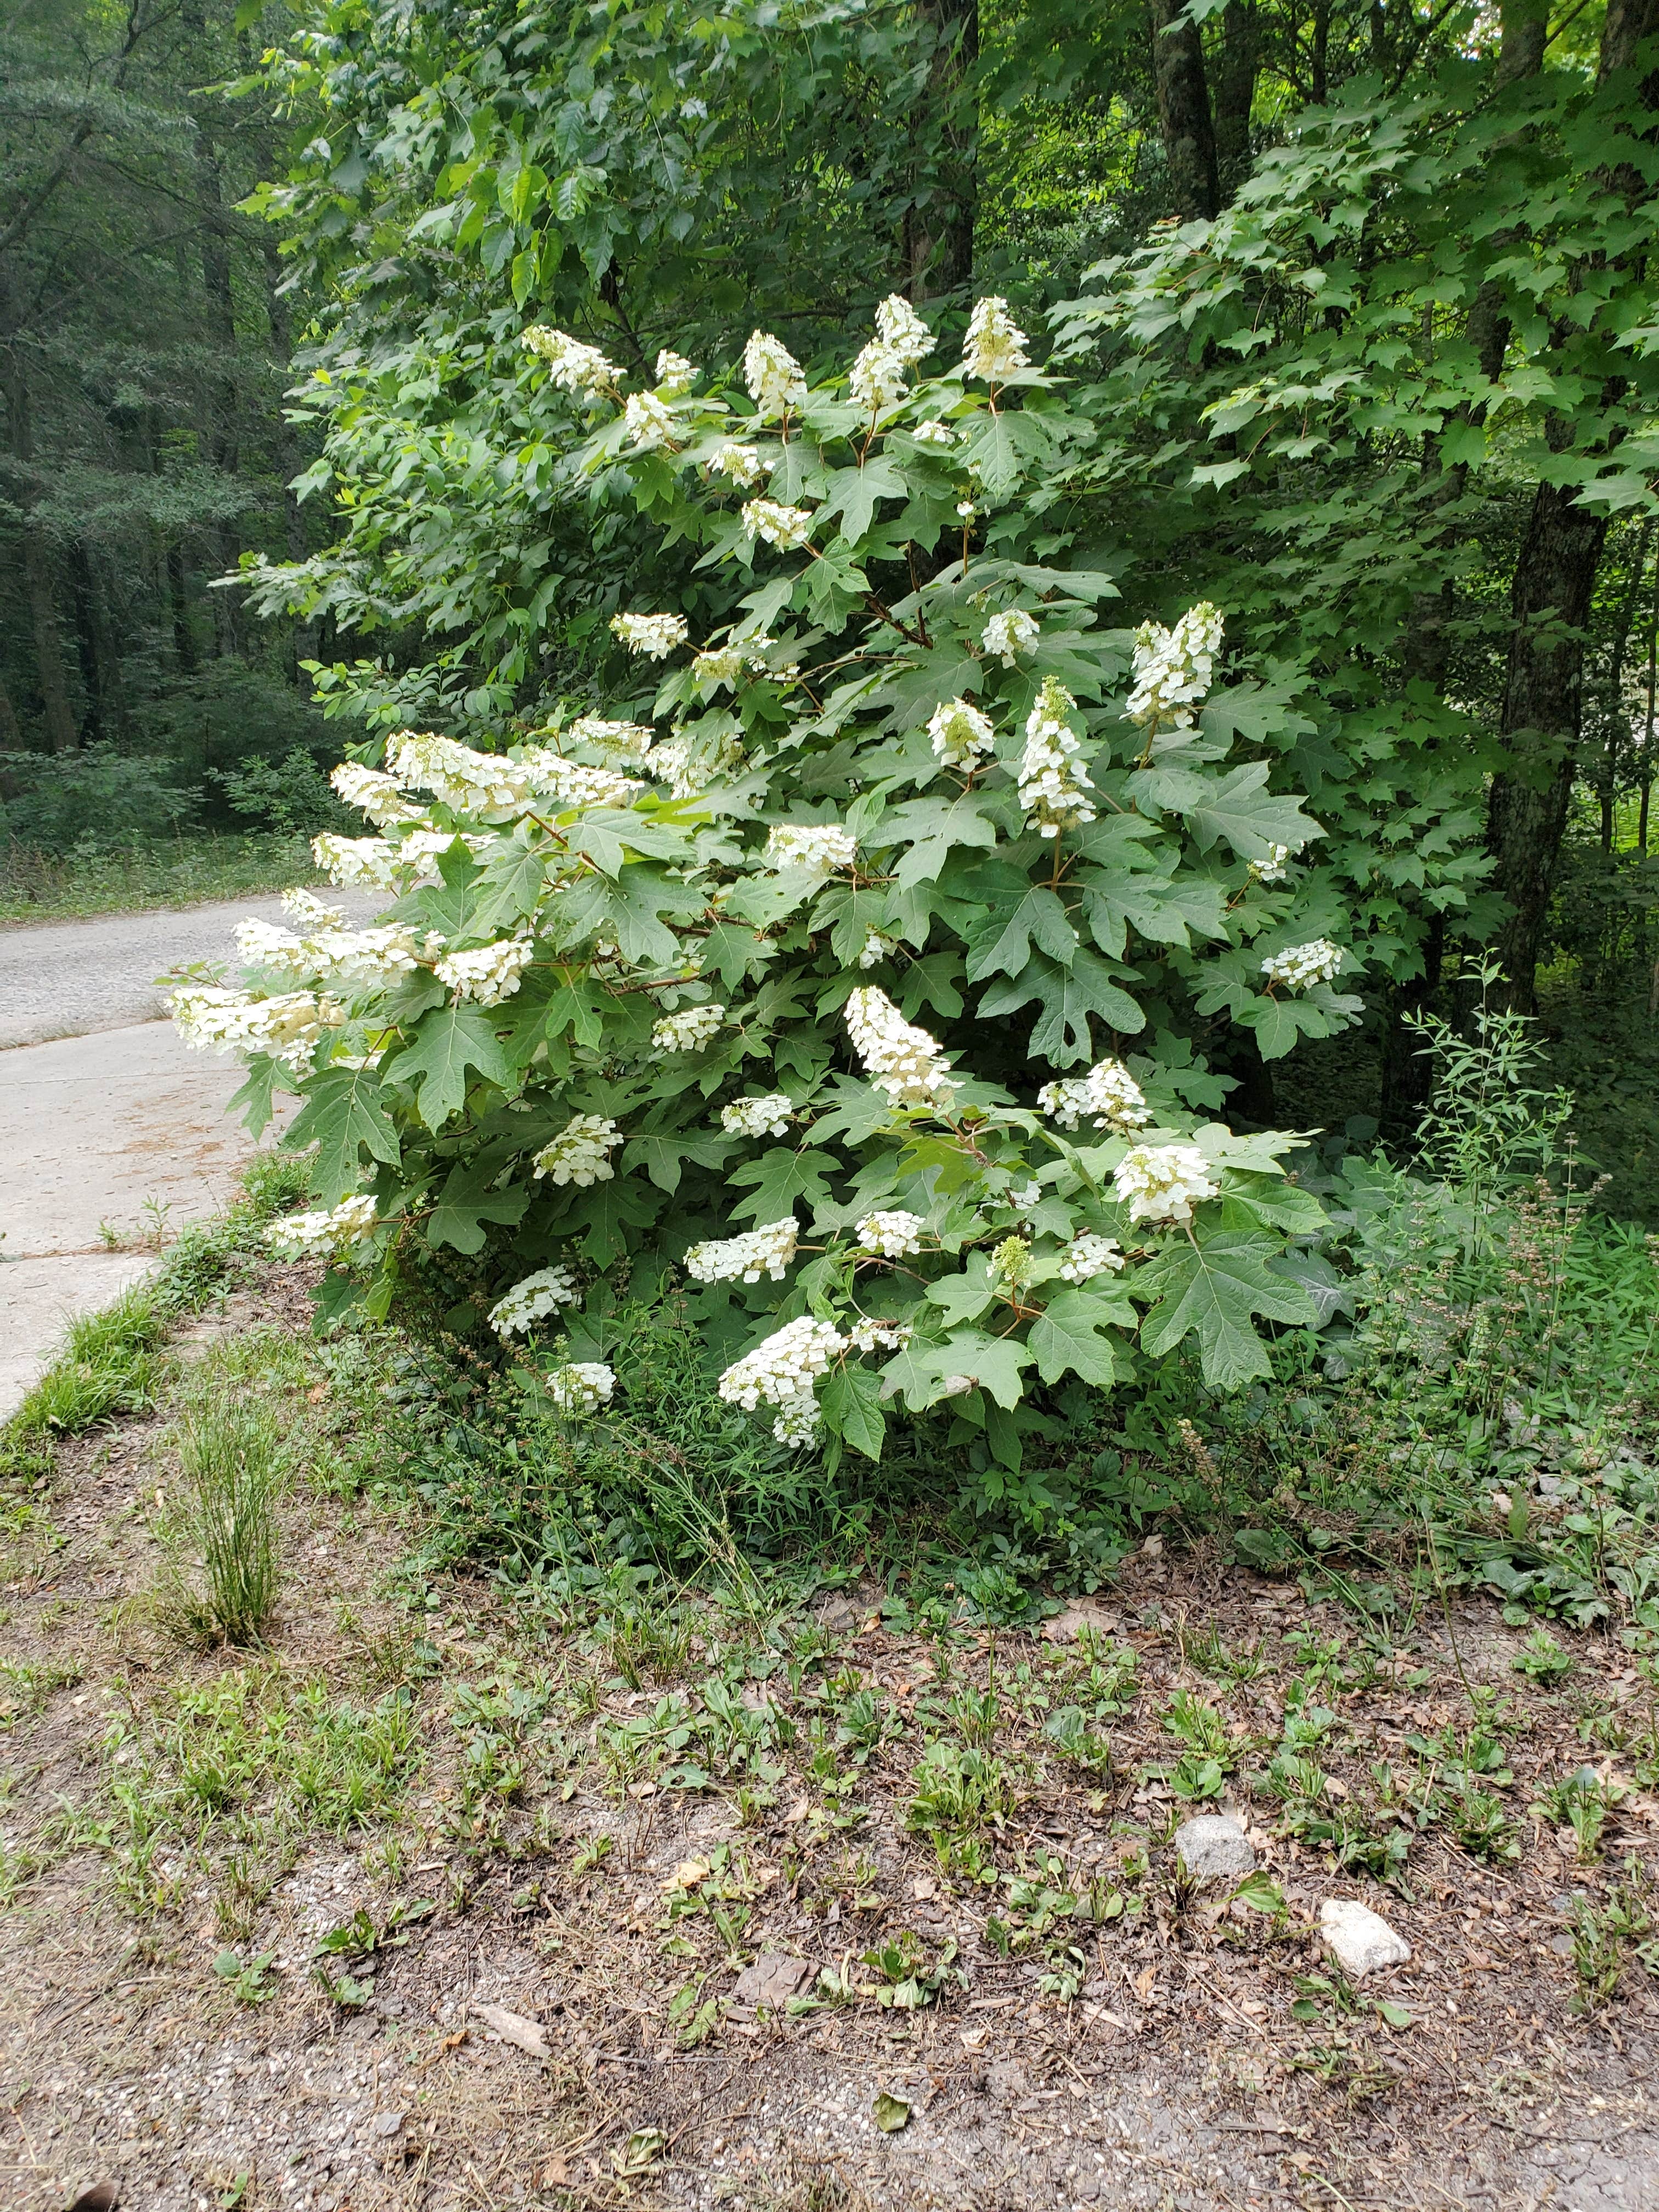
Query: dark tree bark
x=1183 y=114
x=939 y=235
x=1235 y=95
x=1549 y=604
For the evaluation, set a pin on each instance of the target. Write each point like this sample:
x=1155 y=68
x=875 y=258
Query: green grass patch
x=37 y=886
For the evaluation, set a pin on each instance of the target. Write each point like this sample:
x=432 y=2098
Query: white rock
x=1360 y=1939
x=1213 y=1847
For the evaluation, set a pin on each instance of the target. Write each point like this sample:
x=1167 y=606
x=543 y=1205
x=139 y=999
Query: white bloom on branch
x=873 y=951
x=995 y=348
x=759 y=1117
x=1303 y=965
x=530 y=1300
x=286 y=1026
x=741 y=464
x=819 y=846
x=1053 y=791
x=1272 y=870
x=1088 y=1255
x=303 y=1236
x=487 y=974
x=774 y=376
x=871 y=1333
x=646 y=423
x=579 y=1153
x=626 y=740
x=787 y=528
x=934 y=433
x=902 y=1061
x=1010 y=1265
x=688 y=1030
x=767 y=1250
x=781 y=1371
x=1174 y=668
x=312 y=912
x=470 y=781
x=901 y=330
x=654 y=635
x=581 y=1386
x=891 y=1234
x=373 y=793
x=572 y=784
x=1108 y=1096
x=372 y=861
x=675 y=374
x=571 y=365
x=961 y=736
x=876 y=378
x=1164 y=1183
x=689 y=765
x=1009 y=635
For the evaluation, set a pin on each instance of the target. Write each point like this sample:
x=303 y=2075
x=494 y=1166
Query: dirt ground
x=1200 y=2055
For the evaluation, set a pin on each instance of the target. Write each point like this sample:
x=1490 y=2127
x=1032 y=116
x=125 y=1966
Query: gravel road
x=62 y=979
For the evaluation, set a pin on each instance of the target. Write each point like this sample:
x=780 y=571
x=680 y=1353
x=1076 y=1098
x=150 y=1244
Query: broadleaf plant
x=848 y=984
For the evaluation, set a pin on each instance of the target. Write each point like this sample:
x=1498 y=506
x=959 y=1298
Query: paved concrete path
x=116 y=1123
x=60 y=979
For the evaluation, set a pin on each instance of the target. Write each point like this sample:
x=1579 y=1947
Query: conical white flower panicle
x=574 y=367
x=579 y=1154
x=1163 y=1183
x=994 y=348
x=767 y=1250
x=1055 y=792
x=1174 y=669
x=309 y=1236
x=759 y=1117
x=820 y=846
x=781 y=1371
x=773 y=376
x=891 y=1234
x=1009 y=635
x=287 y=1026
x=961 y=736
x=489 y=974
x=900 y=1060
x=654 y=637
x=1303 y=965
x=1108 y=1096
x=580 y=1386
x=528 y=1301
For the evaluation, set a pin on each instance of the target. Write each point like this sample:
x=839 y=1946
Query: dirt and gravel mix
x=572 y=1983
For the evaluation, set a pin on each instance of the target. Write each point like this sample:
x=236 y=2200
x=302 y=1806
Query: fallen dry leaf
x=513 y=2027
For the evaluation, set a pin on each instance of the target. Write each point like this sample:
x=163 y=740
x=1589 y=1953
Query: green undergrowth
x=38 y=886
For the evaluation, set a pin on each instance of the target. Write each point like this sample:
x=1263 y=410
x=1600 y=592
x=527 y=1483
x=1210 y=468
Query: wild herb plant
x=222 y=1573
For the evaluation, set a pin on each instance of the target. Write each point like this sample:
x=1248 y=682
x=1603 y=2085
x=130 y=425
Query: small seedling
x=250 y=1981
x=1542 y=1659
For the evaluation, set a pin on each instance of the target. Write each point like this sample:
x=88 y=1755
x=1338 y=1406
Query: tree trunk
x=1554 y=575
x=938 y=234
x=287 y=451
x=1235 y=95
x=39 y=569
x=1183 y=114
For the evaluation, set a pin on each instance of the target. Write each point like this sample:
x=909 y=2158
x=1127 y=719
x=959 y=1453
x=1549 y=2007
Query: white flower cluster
x=870 y=1334
x=582 y=1386
x=675 y=374
x=787 y=528
x=873 y=951
x=935 y=434
x=571 y=365
x=373 y=793
x=995 y=348
x=472 y=782
x=689 y=765
x=773 y=376
x=300 y=1236
x=489 y=974
x=1303 y=965
x=961 y=736
x=901 y=339
x=311 y=912
x=767 y=1250
x=1088 y=1255
x=900 y=1060
x=286 y=1026
x=781 y=1371
x=723 y=664
x=1272 y=870
x=819 y=846
x=1174 y=668
x=1011 y=634
x=571 y=784
x=528 y=1301
x=646 y=423
x=1164 y=1183
x=688 y=1030
x=579 y=1153
x=626 y=741
x=893 y=1234
x=654 y=635
x=371 y=861
x=380 y=956
x=740 y=465
x=1052 y=791
x=1109 y=1095
x=759 y=1117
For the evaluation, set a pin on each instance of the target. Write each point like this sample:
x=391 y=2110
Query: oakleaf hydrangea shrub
x=847 y=967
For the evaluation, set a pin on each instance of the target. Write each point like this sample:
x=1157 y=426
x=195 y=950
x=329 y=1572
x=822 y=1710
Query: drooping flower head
x=1303 y=965
x=646 y=423
x=902 y=1061
x=306 y=1236
x=901 y=329
x=580 y=1153
x=1164 y=1183
x=767 y=1250
x=675 y=374
x=528 y=1301
x=773 y=376
x=1174 y=668
x=787 y=528
x=961 y=736
x=1054 y=790
x=1088 y=1255
x=1009 y=635
x=1108 y=1096
x=571 y=365
x=759 y=1117
x=820 y=846
x=689 y=1030
x=890 y=1234
x=654 y=635
x=781 y=1371
x=487 y=974
x=581 y=1386
x=740 y=465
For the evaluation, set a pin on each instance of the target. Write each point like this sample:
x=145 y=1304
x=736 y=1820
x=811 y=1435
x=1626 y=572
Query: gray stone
x=1360 y=1939
x=1213 y=1847
x=773 y=1979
